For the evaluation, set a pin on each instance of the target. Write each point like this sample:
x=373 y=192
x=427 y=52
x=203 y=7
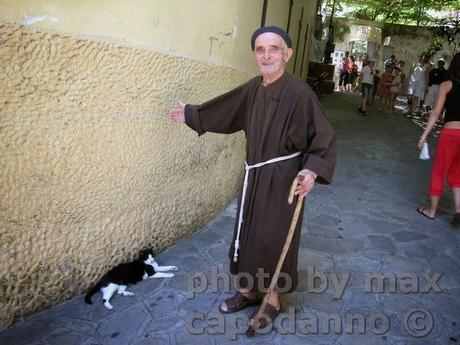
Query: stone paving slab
x=364 y=223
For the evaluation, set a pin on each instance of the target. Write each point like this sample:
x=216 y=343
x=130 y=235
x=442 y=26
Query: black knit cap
x=276 y=30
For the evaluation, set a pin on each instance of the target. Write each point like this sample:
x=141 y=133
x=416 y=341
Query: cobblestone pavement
x=365 y=222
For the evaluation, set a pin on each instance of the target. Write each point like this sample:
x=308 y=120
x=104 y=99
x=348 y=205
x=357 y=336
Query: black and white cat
x=119 y=277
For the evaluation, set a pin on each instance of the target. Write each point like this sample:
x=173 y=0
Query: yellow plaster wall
x=278 y=14
x=177 y=27
x=91 y=169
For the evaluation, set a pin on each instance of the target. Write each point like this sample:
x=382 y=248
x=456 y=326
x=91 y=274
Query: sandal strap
x=270 y=312
x=237 y=301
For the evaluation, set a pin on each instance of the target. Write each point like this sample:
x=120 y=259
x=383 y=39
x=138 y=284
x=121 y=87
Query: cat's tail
x=91 y=292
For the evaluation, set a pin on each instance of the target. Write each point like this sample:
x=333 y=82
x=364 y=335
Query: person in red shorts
x=384 y=87
x=447 y=157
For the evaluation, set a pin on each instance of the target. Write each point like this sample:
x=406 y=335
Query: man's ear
x=288 y=54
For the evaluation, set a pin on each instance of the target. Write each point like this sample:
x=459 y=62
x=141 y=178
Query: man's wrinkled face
x=271 y=53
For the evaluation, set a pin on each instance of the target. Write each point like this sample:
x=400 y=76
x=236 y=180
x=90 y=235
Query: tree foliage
x=447 y=30
x=441 y=17
x=419 y=12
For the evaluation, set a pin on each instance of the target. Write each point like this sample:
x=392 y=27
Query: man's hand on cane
x=306 y=182
x=178 y=114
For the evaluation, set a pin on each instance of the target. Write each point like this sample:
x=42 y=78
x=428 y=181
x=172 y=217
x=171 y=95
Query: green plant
x=341 y=28
x=360 y=48
x=418 y=12
x=447 y=31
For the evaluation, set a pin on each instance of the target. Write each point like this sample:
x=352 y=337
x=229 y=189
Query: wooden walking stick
x=252 y=328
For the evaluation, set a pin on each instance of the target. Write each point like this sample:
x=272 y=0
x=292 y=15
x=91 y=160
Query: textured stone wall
x=409 y=47
x=91 y=170
x=406 y=42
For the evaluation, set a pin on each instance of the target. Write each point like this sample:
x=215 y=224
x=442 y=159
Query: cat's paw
x=174 y=268
x=127 y=293
x=169 y=275
x=108 y=306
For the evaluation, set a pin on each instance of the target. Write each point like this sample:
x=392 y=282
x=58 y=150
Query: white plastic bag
x=424 y=154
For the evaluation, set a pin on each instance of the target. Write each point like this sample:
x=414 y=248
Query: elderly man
x=287 y=135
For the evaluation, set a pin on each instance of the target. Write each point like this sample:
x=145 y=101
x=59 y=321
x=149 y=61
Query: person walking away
x=366 y=80
x=447 y=156
x=384 y=86
x=377 y=75
x=395 y=88
x=400 y=64
x=353 y=70
x=364 y=60
x=343 y=72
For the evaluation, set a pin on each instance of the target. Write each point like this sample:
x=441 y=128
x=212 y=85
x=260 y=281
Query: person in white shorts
x=418 y=84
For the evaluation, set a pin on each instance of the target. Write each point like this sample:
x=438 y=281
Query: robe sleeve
x=223 y=114
x=312 y=134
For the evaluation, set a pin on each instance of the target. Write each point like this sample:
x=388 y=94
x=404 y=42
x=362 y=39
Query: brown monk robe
x=279 y=119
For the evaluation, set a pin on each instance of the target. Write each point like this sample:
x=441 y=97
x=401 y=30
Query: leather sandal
x=269 y=314
x=238 y=302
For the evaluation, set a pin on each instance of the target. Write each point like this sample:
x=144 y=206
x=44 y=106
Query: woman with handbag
x=447 y=157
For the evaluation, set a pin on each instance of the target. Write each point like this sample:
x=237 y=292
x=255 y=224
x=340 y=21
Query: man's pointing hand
x=177 y=114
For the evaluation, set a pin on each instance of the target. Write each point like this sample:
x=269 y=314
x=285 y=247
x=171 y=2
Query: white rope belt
x=247 y=168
